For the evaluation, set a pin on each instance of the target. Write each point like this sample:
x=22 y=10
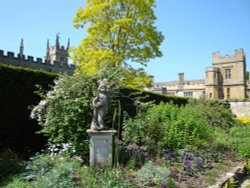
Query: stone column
x=101 y=147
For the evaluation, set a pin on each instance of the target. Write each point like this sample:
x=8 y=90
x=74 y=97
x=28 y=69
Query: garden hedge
x=17 y=86
x=129 y=95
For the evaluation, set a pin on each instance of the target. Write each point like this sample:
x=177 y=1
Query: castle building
x=57 y=53
x=226 y=79
x=56 y=59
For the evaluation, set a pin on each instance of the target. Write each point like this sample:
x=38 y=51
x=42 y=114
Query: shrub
x=112 y=178
x=15 y=182
x=240 y=139
x=63 y=174
x=167 y=126
x=38 y=166
x=61 y=170
x=221 y=139
x=65 y=113
x=151 y=174
x=52 y=170
x=10 y=164
x=223 y=116
x=247 y=167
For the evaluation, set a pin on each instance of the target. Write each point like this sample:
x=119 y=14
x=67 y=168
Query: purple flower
x=199 y=162
x=169 y=154
x=163 y=186
x=173 y=173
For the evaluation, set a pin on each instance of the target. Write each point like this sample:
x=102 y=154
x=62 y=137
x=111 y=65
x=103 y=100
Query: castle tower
x=213 y=84
x=57 y=53
x=226 y=79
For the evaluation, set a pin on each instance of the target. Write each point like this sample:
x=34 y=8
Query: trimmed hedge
x=17 y=86
x=129 y=95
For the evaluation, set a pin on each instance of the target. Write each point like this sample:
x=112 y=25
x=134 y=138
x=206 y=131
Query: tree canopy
x=118 y=32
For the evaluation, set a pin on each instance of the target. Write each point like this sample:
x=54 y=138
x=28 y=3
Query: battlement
x=239 y=56
x=30 y=62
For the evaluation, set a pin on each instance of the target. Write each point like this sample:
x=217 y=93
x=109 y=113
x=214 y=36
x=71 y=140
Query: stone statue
x=100 y=104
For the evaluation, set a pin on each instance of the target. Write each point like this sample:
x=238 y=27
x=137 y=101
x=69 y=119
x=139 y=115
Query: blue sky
x=193 y=29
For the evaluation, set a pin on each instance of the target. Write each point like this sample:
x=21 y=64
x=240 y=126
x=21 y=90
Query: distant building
x=56 y=59
x=181 y=87
x=226 y=79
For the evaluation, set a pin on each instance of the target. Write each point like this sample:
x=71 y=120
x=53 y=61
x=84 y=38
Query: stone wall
x=38 y=63
x=240 y=108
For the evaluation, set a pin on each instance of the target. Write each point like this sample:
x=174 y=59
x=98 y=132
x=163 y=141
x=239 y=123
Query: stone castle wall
x=238 y=57
x=38 y=63
x=240 y=108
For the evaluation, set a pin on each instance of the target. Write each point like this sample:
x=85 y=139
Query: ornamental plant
x=167 y=126
x=243 y=120
x=240 y=139
x=65 y=112
x=151 y=174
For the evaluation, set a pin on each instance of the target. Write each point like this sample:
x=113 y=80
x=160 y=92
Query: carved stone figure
x=100 y=104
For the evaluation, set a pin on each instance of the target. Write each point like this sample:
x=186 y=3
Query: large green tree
x=118 y=32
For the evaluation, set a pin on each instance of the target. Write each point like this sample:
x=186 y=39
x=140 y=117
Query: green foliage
x=10 y=163
x=211 y=176
x=38 y=166
x=134 y=128
x=247 y=167
x=17 y=86
x=221 y=139
x=65 y=113
x=15 y=182
x=131 y=156
x=63 y=171
x=240 y=139
x=167 y=126
x=113 y=178
x=151 y=174
x=230 y=183
x=62 y=175
x=118 y=32
x=223 y=116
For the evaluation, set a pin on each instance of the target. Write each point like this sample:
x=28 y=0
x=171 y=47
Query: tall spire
x=21 y=48
x=68 y=45
x=57 y=40
x=47 y=51
x=47 y=45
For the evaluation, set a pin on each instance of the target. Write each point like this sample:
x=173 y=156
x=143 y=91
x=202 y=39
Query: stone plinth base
x=101 y=147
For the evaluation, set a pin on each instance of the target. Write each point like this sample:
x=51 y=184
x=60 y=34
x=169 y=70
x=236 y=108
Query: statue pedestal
x=101 y=147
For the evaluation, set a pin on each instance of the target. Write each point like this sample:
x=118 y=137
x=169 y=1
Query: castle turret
x=57 y=53
x=47 y=51
x=21 y=49
x=68 y=45
x=57 y=40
